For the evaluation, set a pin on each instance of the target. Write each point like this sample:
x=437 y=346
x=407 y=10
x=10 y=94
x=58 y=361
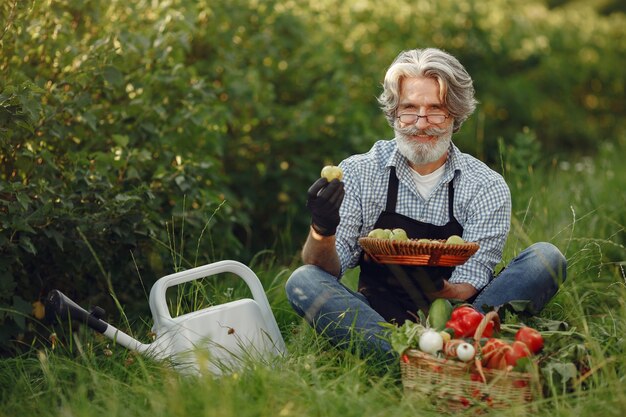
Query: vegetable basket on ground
x=462 y=385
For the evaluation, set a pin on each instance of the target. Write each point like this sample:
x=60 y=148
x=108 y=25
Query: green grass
x=580 y=209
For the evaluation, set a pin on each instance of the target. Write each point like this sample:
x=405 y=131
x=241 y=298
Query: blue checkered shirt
x=482 y=205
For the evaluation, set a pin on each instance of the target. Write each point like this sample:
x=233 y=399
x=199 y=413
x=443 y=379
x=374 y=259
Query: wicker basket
x=461 y=385
x=412 y=252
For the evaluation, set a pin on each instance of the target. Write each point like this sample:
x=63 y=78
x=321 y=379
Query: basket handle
x=492 y=315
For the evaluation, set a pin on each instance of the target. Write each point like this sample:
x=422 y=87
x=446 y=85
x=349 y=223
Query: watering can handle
x=158 y=303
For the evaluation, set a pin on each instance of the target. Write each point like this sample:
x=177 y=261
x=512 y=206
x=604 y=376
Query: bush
x=99 y=178
x=143 y=137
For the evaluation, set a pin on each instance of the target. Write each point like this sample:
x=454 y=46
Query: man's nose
x=422 y=123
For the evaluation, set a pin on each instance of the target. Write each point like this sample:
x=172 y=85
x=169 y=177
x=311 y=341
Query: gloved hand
x=324 y=200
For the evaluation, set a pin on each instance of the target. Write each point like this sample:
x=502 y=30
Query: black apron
x=397 y=292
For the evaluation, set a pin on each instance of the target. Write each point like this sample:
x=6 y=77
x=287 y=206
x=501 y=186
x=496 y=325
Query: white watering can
x=218 y=338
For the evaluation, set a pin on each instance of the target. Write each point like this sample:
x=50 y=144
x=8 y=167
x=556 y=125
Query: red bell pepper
x=465 y=319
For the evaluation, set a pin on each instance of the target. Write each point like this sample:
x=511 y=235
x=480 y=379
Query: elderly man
x=420 y=182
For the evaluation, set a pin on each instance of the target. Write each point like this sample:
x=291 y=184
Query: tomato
x=518 y=351
x=498 y=359
x=493 y=354
x=531 y=338
x=492 y=345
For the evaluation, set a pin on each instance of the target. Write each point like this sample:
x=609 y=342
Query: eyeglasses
x=410 y=118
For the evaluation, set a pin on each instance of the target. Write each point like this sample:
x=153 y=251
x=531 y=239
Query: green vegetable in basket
x=439 y=313
x=455 y=240
x=404 y=337
x=398 y=234
x=379 y=233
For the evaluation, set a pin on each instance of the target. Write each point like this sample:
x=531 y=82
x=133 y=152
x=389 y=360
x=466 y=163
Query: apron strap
x=392 y=191
x=451 y=201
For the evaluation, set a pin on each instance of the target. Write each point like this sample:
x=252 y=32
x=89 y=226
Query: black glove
x=323 y=201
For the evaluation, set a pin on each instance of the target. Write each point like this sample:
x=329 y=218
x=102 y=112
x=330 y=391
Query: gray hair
x=455 y=84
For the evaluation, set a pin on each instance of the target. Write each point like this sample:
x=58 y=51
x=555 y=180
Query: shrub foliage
x=142 y=137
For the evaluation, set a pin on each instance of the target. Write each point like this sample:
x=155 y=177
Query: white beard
x=420 y=153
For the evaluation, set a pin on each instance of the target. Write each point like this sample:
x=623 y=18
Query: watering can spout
x=59 y=305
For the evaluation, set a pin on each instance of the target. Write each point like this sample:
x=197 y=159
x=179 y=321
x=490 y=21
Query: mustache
x=414 y=131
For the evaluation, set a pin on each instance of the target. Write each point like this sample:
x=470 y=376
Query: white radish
x=430 y=342
x=465 y=352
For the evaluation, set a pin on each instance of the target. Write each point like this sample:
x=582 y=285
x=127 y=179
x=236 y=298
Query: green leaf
x=560 y=373
x=524 y=364
x=20 y=225
x=33 y=88
x=21 y=306
x=121 y=140
x=519 y=306
x=56 y=235
x=30 y=105
x=113 y=76
x=542 y=323
x=7 y=95
x=132 y=173
x=24 y=125
x=24 y=200
x=182 y=183
x=7 y=284
x=403 y=337
x=91 y=120
x=27 y=245
x=123 y=198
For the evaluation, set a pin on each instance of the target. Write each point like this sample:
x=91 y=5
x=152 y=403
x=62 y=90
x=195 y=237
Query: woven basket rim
x=434 y=244
x=412 y=252
x=430 y=359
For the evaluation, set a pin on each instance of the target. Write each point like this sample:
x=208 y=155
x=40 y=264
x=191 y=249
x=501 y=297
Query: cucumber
x=439 y=313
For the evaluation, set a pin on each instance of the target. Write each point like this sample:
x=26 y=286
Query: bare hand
x=454 y=291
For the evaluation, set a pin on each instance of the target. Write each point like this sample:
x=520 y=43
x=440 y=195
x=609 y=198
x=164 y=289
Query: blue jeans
x=347 y=320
